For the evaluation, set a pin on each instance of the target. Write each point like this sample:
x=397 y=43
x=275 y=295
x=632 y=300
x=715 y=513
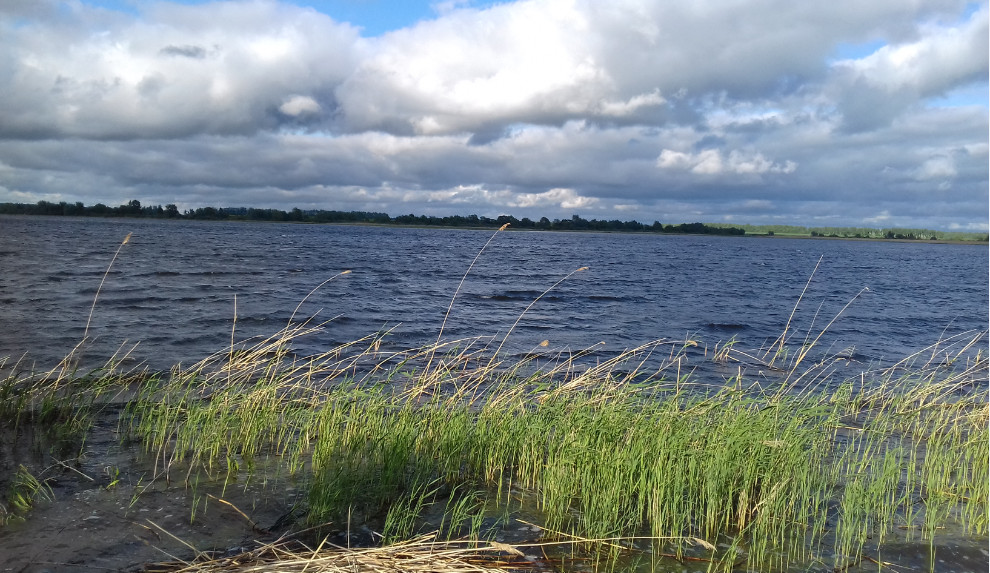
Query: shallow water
x=178 y=286
x=111 y=513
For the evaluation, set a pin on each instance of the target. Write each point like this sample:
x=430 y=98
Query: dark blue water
x=173 y=287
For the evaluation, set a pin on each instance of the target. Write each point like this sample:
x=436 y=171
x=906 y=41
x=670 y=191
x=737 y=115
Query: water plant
x=632 y=453
x=25 y=490
x=609 y=451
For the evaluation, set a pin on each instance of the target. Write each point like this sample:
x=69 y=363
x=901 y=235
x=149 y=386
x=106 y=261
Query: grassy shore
x=625 y=462
x=619 y=455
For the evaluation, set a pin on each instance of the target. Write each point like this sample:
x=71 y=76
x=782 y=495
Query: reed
x=616 y=450
x=25 y=490
x=629 y=454
x=621 y=449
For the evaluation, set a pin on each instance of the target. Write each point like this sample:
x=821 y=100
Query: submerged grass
x=625 y=453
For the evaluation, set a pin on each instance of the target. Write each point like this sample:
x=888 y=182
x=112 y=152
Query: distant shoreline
x=134 y=210
x=875 y=239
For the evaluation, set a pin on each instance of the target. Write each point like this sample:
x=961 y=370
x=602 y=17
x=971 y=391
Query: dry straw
x=420 y=555
x=98 y=289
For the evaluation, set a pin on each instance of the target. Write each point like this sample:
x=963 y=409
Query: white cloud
x=564 y=198
x=670 y=159
x=881 y=219
x=183 y=70
x=532 y=107
x=941 y=59
x=874 y=90
x=940 y=167
x=445 y=7
x=707 y=162
x=711 y=162
x=633 y=104
x=299 y=105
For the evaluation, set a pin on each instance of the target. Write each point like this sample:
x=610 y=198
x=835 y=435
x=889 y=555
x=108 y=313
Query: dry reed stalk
x=457 y=291
x=779 y=343
x=67 y=365
x=420 y=555
x=525 y=310
x=318 y=287
x=99 y=288
x=807 y=348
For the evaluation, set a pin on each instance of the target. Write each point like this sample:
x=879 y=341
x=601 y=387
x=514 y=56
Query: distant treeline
x=170 y=211
x=575 y=223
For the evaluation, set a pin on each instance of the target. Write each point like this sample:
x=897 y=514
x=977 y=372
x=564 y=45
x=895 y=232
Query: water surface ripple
x=178 y=285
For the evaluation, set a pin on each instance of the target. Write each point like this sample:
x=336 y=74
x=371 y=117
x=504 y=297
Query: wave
x=727 y=326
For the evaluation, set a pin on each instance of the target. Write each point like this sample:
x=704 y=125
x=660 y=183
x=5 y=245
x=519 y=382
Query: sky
x=839 y=113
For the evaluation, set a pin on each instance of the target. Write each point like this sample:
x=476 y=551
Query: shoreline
x=113 y=505
x=745 y=235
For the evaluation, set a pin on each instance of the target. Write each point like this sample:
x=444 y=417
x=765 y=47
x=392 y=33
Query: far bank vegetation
x=135 y=209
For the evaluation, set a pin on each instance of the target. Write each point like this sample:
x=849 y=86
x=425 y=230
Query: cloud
x=874 y=90
x=299 y=105
x=181 y=71
x=707 y=110
x=563 y=198
x=712 y=162
x=941 y=167
x=194 y=52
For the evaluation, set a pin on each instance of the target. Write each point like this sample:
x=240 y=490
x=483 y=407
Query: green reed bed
x=735 y=474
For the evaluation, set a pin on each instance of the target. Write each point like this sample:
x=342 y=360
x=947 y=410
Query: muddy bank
x=110 y=507
x=108 y=510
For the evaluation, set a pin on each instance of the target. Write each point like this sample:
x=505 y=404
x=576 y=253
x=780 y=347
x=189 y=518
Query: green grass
x=23 y=493
x=801 y=470
x=612 y=451
x=625 y=449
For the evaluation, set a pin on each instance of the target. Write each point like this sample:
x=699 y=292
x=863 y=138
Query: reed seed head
x=126 y=239
x=504 y=227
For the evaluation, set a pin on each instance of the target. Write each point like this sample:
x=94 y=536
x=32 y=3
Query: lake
x=177 y=286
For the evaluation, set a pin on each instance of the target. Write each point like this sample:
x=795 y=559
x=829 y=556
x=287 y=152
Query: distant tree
x=503 y=219
x=131 y=209
x=578 y=223
x=204 y=213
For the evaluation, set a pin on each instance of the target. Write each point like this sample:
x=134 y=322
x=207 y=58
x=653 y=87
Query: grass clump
x=615 y=451
x=23 y=493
